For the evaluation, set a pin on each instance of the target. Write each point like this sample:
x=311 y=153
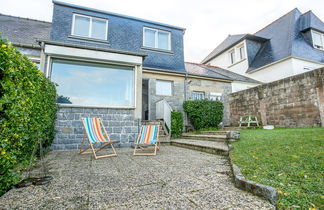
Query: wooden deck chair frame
x=156 y=145
x=91 y=145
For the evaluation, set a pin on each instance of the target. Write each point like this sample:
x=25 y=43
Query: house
x=120 y=68
x=290 y=45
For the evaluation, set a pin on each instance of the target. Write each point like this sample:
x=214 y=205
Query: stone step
x=231 y=128
x=206 y=137
x=218 y=148
x=215 y=132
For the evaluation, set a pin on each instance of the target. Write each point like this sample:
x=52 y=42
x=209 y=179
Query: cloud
x=208 y=22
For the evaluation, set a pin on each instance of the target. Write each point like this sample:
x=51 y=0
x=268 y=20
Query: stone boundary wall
x=296 y=101
x=119 y=123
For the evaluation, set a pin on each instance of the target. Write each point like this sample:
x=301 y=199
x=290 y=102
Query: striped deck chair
x=149 y=136
x=96 y=133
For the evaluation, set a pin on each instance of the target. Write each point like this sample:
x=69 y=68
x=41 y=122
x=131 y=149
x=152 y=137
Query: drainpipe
x=42 y=58
x=185 y=99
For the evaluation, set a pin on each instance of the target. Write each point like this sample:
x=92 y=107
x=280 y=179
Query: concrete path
x=176 y=178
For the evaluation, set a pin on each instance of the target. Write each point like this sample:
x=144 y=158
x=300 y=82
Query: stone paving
x=176 y=178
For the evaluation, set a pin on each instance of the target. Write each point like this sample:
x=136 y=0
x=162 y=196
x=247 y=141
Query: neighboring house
x=120 y=68
x=290 y=45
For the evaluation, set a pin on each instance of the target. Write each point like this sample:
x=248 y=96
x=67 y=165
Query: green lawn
x=291 y=160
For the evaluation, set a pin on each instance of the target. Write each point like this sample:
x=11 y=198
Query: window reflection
x=83 y=83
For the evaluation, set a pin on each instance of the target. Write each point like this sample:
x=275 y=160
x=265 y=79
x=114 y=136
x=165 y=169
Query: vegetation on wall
x=204 y=113
x=176 y=124
x=27 y=112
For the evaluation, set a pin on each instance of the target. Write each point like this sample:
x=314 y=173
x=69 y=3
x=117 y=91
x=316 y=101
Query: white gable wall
x=223 y=60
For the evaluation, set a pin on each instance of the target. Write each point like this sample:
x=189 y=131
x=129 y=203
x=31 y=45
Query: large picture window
x=154 y=38
x=91 y=84
x=89 y=27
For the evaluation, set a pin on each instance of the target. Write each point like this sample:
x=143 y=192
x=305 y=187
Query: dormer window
x=158 y=39
x=231 y=55
x=318 y=40
x=241 y=51
x=89 y=27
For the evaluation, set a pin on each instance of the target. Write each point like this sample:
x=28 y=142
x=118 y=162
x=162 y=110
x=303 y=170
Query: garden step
x=164 y=139
x=206 y=137
x=219 y=148
x=215 y=132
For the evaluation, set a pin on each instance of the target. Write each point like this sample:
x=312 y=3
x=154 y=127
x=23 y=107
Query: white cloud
x=208 y=22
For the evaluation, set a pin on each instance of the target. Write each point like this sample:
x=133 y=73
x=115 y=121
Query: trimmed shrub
x=27 y=112
x=176 y=124
x=204 y=113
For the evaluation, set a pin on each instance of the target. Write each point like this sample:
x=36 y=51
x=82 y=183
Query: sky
x=207 y=22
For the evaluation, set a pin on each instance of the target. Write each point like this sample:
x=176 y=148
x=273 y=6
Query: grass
x=291 y=160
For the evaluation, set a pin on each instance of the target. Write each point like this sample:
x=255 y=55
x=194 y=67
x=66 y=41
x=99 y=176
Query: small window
x=163 y=88
x=154 y=38
x=215 y=96
x=232 y=56
x=89 y=27
x=198 y=95
x=318 y=40
x=241 y=52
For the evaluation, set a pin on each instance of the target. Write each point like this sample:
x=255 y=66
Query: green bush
x=176 y=124
x=27 y=112
x=204 y=113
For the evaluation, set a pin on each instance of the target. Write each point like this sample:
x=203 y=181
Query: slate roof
x=230 y=41
x=24 y=31
x=282 y=38
x=204 y=70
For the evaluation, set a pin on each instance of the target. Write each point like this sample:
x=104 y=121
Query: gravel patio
x=176 y=178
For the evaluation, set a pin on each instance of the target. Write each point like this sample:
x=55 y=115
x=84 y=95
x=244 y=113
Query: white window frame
x=90 y=26
x=321 y=37
x=48 y=74
x=232 y=61
x=198 y=92
x=242 y=53
x=215 y=95
x=168 y=81
x=156 y=42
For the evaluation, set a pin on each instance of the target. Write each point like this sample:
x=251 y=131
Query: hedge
x=27 y=112
x=204 y=113
x=176 y=124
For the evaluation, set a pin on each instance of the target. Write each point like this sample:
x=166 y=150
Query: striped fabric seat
x=96 y=134
x=149 y=134
x=93 y=130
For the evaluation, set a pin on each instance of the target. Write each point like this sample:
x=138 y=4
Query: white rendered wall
x=302 y=66
x=274 y=72
x=238 y=86
x=223 y=60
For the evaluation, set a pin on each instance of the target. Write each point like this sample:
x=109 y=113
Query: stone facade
x=296 y=101
x=119 y=123
x=212 y=86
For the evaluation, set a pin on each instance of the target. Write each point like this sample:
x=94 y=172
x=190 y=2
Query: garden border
x=264 y=191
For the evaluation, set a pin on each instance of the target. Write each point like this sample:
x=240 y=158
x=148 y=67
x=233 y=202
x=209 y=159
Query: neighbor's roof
x=204 y=70
x=229 y=42
x=24 y=31
x=280 y=39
